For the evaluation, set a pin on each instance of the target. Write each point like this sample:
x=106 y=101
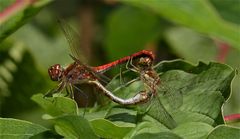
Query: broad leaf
x=229 y=9
x=204 y=89
x=224 y=132
x=14 y=13
x=191 y=45
x=195 y=47
x=193 y=130
x=18 y=129
x=74 y=127
x=160 y=135
x=198 y=15
x=107 y=129
x=57 y=105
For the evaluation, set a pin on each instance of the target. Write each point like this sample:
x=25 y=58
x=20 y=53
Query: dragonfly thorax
x=56 y=72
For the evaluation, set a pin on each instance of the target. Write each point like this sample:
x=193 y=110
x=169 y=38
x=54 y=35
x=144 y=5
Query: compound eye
x=55 y=72
x=57 y=66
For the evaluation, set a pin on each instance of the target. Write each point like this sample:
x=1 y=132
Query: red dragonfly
x=78 y=73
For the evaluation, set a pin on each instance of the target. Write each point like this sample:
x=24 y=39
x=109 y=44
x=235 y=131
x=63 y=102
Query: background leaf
x=191 y=45
x=198 y=15
x=17 y=64
x=16 y=129
x=125 y=31
x=15 y=13
x=229 y=10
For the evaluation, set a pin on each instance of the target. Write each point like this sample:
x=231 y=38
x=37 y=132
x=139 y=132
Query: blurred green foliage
x=109 y=29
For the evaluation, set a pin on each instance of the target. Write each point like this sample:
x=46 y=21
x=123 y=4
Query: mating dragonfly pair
x=78 y=73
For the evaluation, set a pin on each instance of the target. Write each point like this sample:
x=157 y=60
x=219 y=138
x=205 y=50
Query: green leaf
x=46 y=51
x=20 y=76
x=57 y=105
x=16 y=13
x=229 y=9
x=193 y=130
x=74 y=127
x=107 y=129
x=204 y=89
x=160 y=135
x=95 y=115
x=18 y=129
x=122 y=116
x=198 y=15
x=130 y=29
x=122 y=121
x=195 y=47
x=146 y=124
x=224 y=132
x=191 y=45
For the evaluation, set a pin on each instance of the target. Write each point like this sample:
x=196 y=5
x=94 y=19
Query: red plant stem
x=232 y=117
x=223 y=49
x=14 y=8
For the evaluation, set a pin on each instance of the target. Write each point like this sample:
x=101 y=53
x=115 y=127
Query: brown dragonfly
x=152 y=87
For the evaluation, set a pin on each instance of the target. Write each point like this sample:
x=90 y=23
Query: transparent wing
x=169 y=91
x=174 y=97
x=74 y=45
x=156 y=110
x=73 y=39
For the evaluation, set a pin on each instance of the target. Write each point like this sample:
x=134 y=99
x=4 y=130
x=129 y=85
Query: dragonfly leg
x=71 y=91
x=134 y=69
x=50 y=92
x=125 y=85
x=131 y=63
x=68 y=93
x=120 y=76
x=55 y=90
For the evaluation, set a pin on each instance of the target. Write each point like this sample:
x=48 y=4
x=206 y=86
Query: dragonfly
x=152 y=86
x=79 y=73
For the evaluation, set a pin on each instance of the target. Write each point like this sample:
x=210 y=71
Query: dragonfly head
x=56 y=72
x=145 y=62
